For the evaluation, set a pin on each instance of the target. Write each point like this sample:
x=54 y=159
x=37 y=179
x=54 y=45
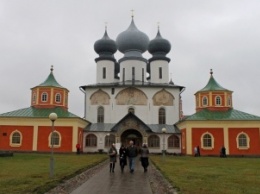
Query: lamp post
x=163 y=131
x=52 y=117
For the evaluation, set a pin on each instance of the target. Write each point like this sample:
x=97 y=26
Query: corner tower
x=49 y=94
x=213 y=97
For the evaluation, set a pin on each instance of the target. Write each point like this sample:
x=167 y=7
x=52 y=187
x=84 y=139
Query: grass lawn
x=29 y=173
x=211 y=175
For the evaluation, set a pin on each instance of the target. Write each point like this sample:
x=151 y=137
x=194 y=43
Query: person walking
x=144 y=157
x=78 y=148
x=198 y=150
x=195 y=151
x=131 y=153
x=122 y=157
x=112 y=155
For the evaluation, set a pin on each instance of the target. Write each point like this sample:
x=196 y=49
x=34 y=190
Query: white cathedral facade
x=133 y=97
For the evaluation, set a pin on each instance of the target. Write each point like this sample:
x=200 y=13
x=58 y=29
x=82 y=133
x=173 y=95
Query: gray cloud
x=222 y=35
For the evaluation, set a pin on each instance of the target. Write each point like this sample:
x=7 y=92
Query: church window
x=243 y=141
x=44 y=97
x=58 y=97
x=16 y=138
x=104 y=73
x=154 y=141
x=100 y=115
x=112 y=90
x=173 y=141
x=207 y=141
x=218 y=100
x=133 y=73
x=132 y=110
x=205 y=101
x=162 y=116
x=91 y=140
x=109 y=139
x=160 y=73
x=55 y=139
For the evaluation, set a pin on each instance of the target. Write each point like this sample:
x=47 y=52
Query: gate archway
x=131 y=134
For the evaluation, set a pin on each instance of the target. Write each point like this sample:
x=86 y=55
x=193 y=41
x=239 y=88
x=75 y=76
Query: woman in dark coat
x=112 y=155
x=122 y=157
x=144 y=157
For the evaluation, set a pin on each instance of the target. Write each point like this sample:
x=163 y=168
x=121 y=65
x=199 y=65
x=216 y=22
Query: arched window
x=109 y=139
x=243 y=141
x=218 y=100
x=16 y=138
x=91 y=140
x=154 y=141
x=173 y=141
x=205 y=101
x=132 y=110
x=55 y=139
x=207 y=141
x=100 y=115
x=58 y=97
x=44 y=97
x=162 y=116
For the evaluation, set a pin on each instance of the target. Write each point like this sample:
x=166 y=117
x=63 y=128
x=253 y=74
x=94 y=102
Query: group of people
x=222 y=152
x=130 y=152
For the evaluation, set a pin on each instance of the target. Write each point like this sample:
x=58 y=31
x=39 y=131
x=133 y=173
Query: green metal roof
x=231 y=114
x=51 y=81
x=39 y=113
x=212 y=85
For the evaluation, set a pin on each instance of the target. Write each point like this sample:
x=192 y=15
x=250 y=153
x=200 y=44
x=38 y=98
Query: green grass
x=211 y=175
x=29 y=173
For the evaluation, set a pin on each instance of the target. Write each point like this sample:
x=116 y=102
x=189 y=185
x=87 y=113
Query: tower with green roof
x=49 y=94
x=213 y=96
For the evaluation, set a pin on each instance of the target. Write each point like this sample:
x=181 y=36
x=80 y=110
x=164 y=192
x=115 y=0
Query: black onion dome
x=105 y=45
x=132 y=39
x=159 y=45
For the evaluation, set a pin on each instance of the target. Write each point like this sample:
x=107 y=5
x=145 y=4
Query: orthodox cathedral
x=133 y=99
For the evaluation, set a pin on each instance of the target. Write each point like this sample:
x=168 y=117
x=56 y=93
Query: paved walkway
x=105 y=182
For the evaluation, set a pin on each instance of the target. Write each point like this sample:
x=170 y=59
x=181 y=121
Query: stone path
x=117 y=182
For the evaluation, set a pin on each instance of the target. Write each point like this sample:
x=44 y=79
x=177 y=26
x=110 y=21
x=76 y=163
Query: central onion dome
x=132 y=42
x=105 y=46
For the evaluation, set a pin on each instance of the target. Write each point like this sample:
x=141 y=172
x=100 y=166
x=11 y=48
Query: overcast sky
x=220 y=34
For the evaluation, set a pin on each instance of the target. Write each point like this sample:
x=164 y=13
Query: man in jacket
x=131 y=153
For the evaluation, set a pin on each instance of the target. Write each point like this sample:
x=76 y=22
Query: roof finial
x=106 y=26
x=51 y=68
x=132 y=13
x=158 y=25
x=211 y=72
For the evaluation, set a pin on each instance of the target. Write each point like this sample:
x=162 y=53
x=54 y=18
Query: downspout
x=85 y=102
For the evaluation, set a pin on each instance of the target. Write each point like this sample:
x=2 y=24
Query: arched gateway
x=131 y=134
x=131 y=128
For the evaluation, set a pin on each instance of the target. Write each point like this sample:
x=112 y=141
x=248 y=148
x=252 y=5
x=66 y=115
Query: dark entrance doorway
x=132 y=134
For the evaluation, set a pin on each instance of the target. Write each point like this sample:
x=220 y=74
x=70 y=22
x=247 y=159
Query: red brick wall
x=253 y=134
x=27 y=137
x=66 y=138
x=218 y=135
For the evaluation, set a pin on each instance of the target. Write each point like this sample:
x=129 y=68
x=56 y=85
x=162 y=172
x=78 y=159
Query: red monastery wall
x=254 y=141
x=26 y=140
x=217 y=134
x=66 y=139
